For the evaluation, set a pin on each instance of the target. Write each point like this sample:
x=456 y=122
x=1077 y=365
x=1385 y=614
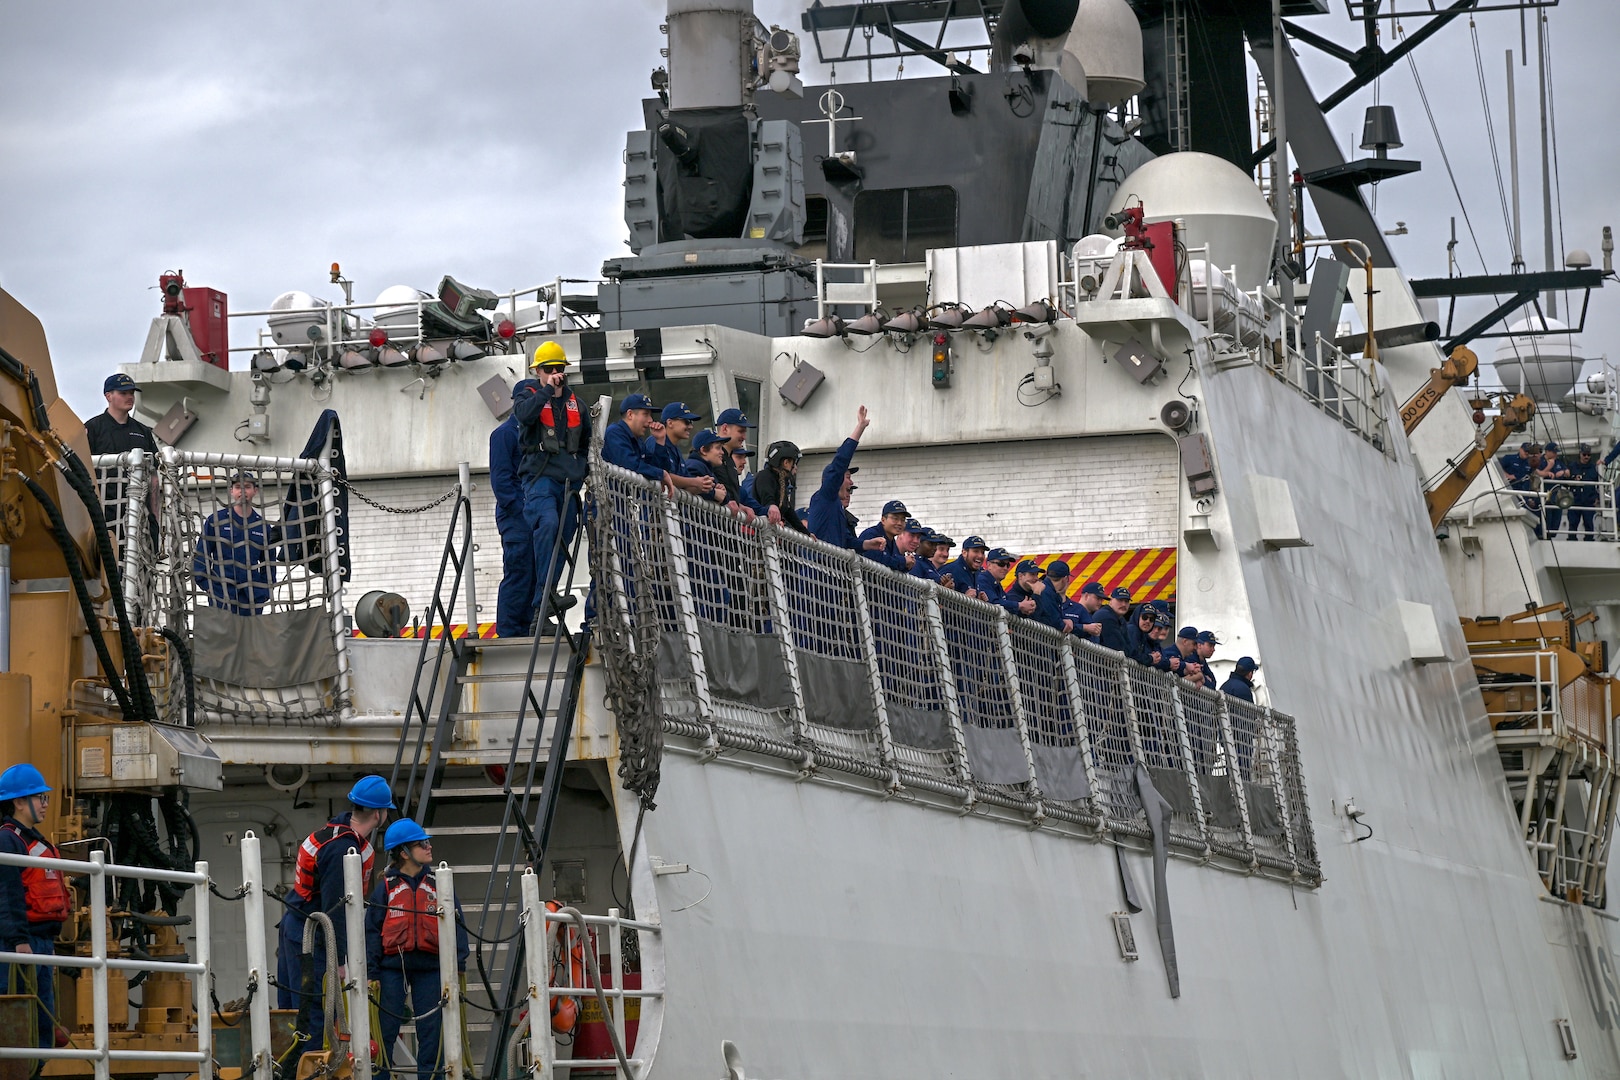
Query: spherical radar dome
x=1216 y=201
x=1106 y=43
x=1544 y=365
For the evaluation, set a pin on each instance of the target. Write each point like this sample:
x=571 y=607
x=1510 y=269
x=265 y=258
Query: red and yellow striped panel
x=457 y=630
x=1150 y=573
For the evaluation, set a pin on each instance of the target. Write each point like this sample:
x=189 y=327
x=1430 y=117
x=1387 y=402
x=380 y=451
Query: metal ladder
x=549 y=688
x=1179 y=112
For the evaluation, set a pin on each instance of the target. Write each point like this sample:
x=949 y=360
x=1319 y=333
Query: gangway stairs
x=490 y=809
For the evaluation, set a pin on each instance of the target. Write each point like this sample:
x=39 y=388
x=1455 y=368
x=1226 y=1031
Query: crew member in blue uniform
x=997 y=562
x=1204 y=645
x=1519 y=468
x=741 y=461
x=1584 y=486
x=733 y=426
x=318 y=886
x=514 y=604
x=402 y=948
x=941 y=552
x=1240 y=684
x=1552 y=471
x=556 y=435
x=674 y=426
x=878 y=542
x=1113 y=620
x=1032 y=597
x=828 y=513
x=1185 y=648
x=1093 y=597
x=962 y=572
x=1059 y=576
x=232 y=562
x=1139 y=637
x=625 y=444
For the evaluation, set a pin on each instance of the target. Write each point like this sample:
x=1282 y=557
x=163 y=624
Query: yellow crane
x=1513 y=415
x=1458 y=368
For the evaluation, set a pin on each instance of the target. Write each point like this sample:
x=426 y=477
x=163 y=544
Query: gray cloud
x=253 y=146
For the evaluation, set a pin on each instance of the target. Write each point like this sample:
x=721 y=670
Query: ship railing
x=861 y=284
x=257 y=597
x=628 y=981
x=772 y=642
x=1575 y=510
x=1528 y=700
x=103 y=1050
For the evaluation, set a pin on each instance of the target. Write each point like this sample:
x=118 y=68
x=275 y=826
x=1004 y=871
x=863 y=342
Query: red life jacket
x=44 y=891
x=411 y=923
x=574 y=441
x=304 y=881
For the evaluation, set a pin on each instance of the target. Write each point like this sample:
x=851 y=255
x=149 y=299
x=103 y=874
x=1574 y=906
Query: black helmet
x=781 y=451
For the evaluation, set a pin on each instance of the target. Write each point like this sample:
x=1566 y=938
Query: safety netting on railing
x=238 y=556
x=773 y=642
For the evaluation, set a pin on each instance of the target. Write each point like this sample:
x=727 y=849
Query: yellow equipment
x=52 y=637
x=1514 y=415
x=1458 y=368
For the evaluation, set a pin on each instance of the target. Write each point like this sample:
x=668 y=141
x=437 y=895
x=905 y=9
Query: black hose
x=79 y=479
x=75 y=569
x=184 y=650
x=159 y=920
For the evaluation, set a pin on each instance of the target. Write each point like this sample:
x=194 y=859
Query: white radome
x=1545 y=364
x=1216 y=201
x=1106 y=44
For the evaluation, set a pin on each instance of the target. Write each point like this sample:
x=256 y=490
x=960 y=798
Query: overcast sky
x=252 y=145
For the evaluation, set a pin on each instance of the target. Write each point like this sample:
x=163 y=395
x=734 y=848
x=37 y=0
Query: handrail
x=98 y=963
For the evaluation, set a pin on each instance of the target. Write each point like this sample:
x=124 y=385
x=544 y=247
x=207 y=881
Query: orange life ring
x=565 y=1010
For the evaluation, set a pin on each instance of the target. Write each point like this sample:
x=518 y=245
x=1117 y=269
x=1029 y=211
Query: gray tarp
x=282 y=648
x=745 y=668
x=996 y=755
x=1157 y=809
x=837 y=693
x=926 y=729
x=1061 y=772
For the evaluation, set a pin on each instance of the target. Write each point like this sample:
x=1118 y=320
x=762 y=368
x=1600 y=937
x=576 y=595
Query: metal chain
x=455 y=490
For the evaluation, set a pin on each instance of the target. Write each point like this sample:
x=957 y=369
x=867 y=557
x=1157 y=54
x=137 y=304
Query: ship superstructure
x=846 y=807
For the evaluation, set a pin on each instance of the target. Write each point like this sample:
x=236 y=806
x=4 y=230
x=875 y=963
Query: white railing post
x=616 y=1003
x=257 y=955
x=464 y=470
x=330 y=542
x=450 y=1014
x=537 y=957
x=204 y=979
x=98 y=974
x=354 y=913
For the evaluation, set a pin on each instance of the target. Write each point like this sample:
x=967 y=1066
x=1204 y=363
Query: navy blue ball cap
x=1551 y=448
x=636 y=401
x=941 y=539
x=1585 y=448
x=915 y=526
x=734 y=416
x=1207 y=637
x=677 y=410
x=894 y=506
x=1248 y=663
x=706 y=438
x=118 y=382
x=1029 y=566
x=975 y=543
x=1527 y=446
x=1057 y=568
x=1188 y=632
x=743 y=452
x=1092 y=588
x=1121 y=593
x=1000 y=555
x=1161 y=619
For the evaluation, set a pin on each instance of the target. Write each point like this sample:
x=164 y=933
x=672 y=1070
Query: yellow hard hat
x=549 y=354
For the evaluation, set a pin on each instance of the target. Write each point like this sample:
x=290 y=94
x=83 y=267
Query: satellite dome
x=301 y=319
x=1095 y=246
x=1106 y=41
x=1216 y=201
x=397 y=306
x=1542 y=362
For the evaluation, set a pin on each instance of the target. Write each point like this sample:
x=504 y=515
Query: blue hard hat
x=372 y=792
x=20 y=781
x=636 y=401
x=402 y=832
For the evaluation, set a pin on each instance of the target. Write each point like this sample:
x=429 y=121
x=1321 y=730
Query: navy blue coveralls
x=665 y=455
x=552 y=472
x=1560 y=471
x=290 y=943
x=990 y=585
x=890 y=554
x=416 y=970
x=829 y=521
x=1113 y=630
x=1140 y=647
x=514 y=606
x=15 y=930
x=232 y=563
x=1238 y=687
x=620 y=447
x=1583 y=515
